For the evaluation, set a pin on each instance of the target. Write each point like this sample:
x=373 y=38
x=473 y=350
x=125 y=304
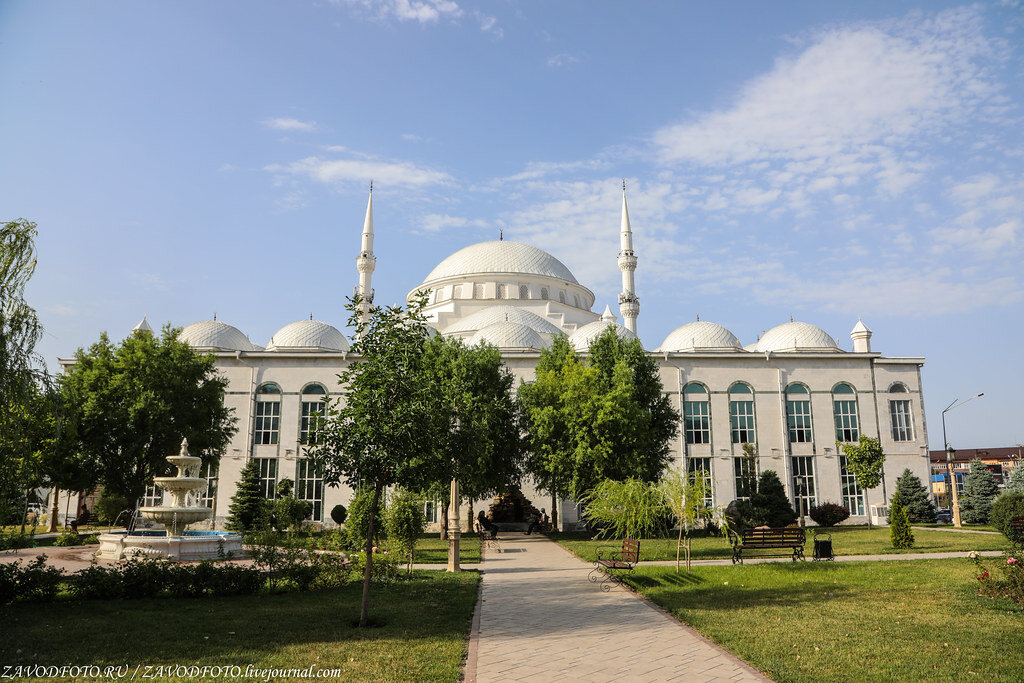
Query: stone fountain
x=174 y=543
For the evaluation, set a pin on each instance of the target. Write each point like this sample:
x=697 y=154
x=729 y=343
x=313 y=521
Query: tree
x=136 y=400
x=980 y=489
x=288 y=511
x=1016 y=483
x=899 y=526
x=914 y=496
x=626 y=509
x=865 y=460
x=405 y=522
x=685 y=497
x=476 y=433
x=604 y=419
x=249 y=509
x=357 y=520
x=381 y=435
x=770 y=505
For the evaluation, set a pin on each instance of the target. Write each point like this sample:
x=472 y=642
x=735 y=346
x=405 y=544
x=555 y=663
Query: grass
x=854 y=621
x=432 y=550
x=424 y=620
x=846 y=540
x=967 y=527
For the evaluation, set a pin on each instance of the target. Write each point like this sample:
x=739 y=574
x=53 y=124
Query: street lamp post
x=801 y=480
x=950 y=457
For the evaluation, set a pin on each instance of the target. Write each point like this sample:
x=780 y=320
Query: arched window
x=524 y=292
x=844 y=409
x=696 y=413
x=741 y=413
x=267 y=426
x=898 y=388
x=576 y=298
x=798 y=413
x=544 y=293
x=561 y=297
x=314 y=398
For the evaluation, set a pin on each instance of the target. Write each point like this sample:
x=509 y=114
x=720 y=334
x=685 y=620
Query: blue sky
x=817 y=160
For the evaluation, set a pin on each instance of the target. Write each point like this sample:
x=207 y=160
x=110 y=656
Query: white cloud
x=563 y=59
x=421 y=11
x=290 y=125
x=993 y=240
x=435 y=222
x=339 y=171
x=489 y=24
x=411 y=137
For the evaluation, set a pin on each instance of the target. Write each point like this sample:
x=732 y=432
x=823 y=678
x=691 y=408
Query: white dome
x=500 y=257
x=502 y=313
x=213 y=334
x=795 y=337
x=509 y=335
x=581 y=338
x=701 y=336
x=310 y=335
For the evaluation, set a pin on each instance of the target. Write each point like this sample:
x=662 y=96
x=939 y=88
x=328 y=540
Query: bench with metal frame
x=792 y=538
x=1017 y=530
x=613 y=563
x=488 y=539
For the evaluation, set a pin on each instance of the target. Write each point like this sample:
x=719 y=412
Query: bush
x=9 y=573
x=404 y=522
x=1011 y=566
x=828 y=514
x=68 y=538
x=899 y=528
x=358 y=520
x=16 y=541
x=1008 y=506
x=39 y=582
x=288 y=511
x=143 y=578
x=338 y=513
x=97 y=583
x=110 y=508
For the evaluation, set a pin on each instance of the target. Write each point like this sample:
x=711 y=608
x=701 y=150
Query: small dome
x=795 y=337
x=500 y=257
x=308 y=335
x=509 y=335
x=215 y=335
x=700 y=336
x=581 y=338
x=502 y=313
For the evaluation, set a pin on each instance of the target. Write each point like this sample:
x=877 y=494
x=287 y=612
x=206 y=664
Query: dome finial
x=215 y=315
x=311 y=315
x=501 y=235
x=371 y=185
x=698 y=317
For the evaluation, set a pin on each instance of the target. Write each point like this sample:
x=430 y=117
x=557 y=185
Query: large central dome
x=500 y=257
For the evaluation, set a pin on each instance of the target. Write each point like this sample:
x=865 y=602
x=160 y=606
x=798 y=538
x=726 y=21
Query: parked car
x=944 y=516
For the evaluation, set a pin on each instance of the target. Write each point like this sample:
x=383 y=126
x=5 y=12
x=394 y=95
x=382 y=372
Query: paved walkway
x=539 y=619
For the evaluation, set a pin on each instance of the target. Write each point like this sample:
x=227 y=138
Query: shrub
x=358 y=520
x=143 y=578
x=15 y=541
x=9 y=573
x=39 y=582
x=404 y=522
x=97 y=583
x=338 y=513
x=288 y=511
x=69 y=538
x=1011 y=586
x=828 y=514
x=110 y=508
x=899 y=528
x=1008 y=506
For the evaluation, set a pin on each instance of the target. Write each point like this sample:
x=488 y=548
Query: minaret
x=861 y=336
x=366 y=261
x=629 y=304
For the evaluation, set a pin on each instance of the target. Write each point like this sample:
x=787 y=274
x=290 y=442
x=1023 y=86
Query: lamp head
x=950 y=454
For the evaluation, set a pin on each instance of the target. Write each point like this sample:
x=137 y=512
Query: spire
x=366 y=262
x=608 y=316
x=143 y=326
x=629 y=304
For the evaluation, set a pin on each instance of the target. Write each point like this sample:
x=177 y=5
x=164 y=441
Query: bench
x=1017 y=530
x=488 y=539
x=792 y=538
x=615 y=562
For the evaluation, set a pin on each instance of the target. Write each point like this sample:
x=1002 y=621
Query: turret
x=861 y=336
x=366 y=261
x=629 y=304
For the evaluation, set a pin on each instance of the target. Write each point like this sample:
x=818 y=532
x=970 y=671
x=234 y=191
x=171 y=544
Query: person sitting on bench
x=487 y=525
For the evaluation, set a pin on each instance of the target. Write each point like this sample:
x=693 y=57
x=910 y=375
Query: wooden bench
x=1017 y=530
x=488 y=539
x=792 y=538
x=615 y=562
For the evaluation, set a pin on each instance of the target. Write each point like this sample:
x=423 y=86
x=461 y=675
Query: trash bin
x=823 y=547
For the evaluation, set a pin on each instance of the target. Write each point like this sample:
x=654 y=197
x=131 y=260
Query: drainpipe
x=252 y=404
x=785 y=435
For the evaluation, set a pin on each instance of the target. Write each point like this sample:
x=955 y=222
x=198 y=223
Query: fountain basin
x=189 y=547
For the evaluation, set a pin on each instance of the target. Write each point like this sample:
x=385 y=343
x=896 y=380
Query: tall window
x=309 y=486
x=745 y=474
x=696 y=414
x=798 y=414
x=561 y=297
x=313 y=407
x=741 y=414
x=701 y=467
x=803 y=483
x=209 y=472
x=268 y=477
x=576 y=299
x=524 y=292
x=844 y=408
x=853 y=497
x=544 y=293
x=268 y=415
x=152 y=496
x=502 y=291
x=430 y=512
x=902 y=422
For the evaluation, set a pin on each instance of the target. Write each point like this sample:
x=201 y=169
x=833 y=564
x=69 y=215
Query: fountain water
x=174 y=543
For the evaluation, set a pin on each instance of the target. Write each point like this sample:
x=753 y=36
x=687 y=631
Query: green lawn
x=846 y=540
x=910 y=620
x=432 y=550
x=425 y=622
x=967 y=527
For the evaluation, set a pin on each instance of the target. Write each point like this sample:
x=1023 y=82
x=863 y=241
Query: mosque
x=793 y=393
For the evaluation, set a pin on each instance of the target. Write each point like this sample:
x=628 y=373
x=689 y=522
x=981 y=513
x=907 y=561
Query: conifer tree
x=1016 y=483
x=980 y=490
x=914 y=497
x=248 y=509
x=899 y=525
x=770 y=505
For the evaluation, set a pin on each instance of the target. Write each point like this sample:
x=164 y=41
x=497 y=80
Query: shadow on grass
x=681 y=579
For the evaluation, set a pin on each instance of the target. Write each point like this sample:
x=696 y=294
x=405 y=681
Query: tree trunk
x=444 y=521
x=54 y=512
x=867 y=507
x=679 y=542
x=469 y=518
x=554 y=511
x=364 y=611
x=24 y=512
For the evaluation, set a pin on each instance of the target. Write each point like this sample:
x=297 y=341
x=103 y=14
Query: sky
x=820 y=161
